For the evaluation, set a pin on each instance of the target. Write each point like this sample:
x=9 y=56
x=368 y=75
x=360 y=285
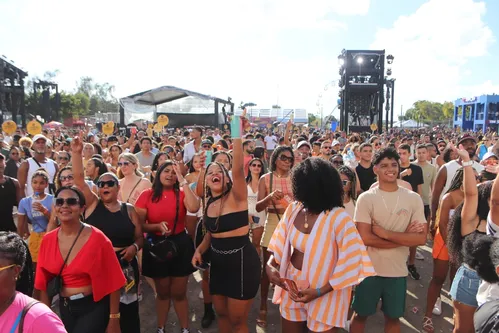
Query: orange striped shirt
x=334 y=254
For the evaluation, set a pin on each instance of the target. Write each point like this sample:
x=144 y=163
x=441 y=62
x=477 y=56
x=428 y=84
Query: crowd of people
x=328 y=223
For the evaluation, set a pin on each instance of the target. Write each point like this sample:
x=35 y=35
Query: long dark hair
x=157 y=187
x=155 y=163
x=457 y=181
x=353 y=181
x=249 y=178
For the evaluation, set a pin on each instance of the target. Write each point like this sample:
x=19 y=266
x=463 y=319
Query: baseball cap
x=206 y=142
x=303 y=143
x=464 y=137
x=335 y=143
x=487 y=155
x=38 y=137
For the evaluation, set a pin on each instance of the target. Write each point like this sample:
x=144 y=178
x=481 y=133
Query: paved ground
x=416 y=299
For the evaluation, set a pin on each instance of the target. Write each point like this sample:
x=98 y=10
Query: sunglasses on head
x=256 y=165
x=120 y=164
x=285 y=158
x=69 y=201
x=109 y=183
x=64 y=178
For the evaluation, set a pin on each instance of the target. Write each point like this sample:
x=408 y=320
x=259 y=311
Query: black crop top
x=116 y=226
x=227 y=222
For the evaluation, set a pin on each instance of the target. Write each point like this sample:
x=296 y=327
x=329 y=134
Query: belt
x=227 y=252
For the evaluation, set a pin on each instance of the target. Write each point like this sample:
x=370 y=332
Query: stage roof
x=167 y=94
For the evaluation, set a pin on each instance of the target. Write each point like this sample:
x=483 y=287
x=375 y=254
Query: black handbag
x=55 y=285
x=166 y=249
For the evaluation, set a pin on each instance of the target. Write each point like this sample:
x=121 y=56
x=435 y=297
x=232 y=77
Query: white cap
x=488 y=155
x=38 y=137
x=335 y=142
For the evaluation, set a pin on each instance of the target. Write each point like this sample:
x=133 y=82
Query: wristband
x=136 y=247
x=318 y=292
x=468 y=163
x=183 y=183
x=115 y=316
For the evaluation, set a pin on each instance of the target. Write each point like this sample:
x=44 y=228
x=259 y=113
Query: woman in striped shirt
x=317 y=246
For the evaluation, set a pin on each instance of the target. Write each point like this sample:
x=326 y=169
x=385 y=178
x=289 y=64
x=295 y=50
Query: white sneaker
x=347 y=326
x=437 y=309
x=201 y=296
x=419 y=256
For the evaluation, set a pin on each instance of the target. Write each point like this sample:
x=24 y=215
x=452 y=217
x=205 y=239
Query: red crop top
x=95 y=264
x=163 y=210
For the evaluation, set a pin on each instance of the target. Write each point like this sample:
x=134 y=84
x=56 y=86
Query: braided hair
x=15 y=250
x=457 y=181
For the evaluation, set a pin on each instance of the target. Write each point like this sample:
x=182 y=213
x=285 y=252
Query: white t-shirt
x=489 y=291
x=271 y=142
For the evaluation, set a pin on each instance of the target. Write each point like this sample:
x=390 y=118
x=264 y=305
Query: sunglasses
x=206 y=147
x=6 y=267
x=345 y=182
x=120 y=164
x=377 y=144
x=285 y=158
x=64 y=178
x=59 y=202
x=63 y=158
x=256 y=165
x=338 y=162
x=326 y=147
x=109 y=183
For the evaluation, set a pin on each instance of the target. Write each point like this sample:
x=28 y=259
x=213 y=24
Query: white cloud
x=224 y=48
x=432 y=48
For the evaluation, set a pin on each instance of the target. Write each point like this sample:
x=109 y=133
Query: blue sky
x=264 y=51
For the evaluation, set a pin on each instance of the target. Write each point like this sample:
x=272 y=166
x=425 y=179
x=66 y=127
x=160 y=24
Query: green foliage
x=426 y=112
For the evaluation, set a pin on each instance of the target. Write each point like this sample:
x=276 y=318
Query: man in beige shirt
x=390 y=219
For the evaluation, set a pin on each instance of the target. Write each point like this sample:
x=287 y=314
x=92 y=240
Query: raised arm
x=191 y=200
x=79 y=175
x=470 y=203
x=239 y=188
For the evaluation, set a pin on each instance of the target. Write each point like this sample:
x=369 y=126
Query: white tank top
x=49 y=166
x=452 y=168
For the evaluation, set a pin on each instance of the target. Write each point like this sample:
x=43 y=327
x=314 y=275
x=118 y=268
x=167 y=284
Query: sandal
x=428 y=325
x=262 y=322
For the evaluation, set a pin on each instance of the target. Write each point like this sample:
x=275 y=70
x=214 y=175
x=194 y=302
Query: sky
x=262 y=51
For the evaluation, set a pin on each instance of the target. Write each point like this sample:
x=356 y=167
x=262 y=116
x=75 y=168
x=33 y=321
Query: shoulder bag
x=55 y=285
x=166 y=249
x=20 y=318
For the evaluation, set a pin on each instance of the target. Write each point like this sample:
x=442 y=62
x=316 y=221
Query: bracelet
x=183 y=183
x=318 y=292
x=115 y=316
x=136 y=247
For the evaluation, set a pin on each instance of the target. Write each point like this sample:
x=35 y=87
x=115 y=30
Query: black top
x=486 y=318
x=8 y=199
x=227 y=222
x=11 y=169
x=367 y=177
x=118 y=226
x=416 y=177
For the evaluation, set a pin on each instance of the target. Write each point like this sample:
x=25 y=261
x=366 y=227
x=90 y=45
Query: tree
x=425 y=111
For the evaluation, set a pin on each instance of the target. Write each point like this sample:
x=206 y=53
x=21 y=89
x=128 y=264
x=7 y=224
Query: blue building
x=477 y=113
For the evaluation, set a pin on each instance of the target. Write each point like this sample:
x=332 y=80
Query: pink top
x=39 y=319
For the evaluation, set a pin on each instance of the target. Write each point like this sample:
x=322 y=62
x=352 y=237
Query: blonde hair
x=132 y=159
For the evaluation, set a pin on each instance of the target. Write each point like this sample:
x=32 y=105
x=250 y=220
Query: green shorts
x=391 y=291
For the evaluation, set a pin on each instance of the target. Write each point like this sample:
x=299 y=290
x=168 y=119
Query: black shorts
x=235 y=270
x=180 y=266
x=427 y=211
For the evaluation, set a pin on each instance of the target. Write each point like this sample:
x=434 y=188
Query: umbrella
x=52 y=124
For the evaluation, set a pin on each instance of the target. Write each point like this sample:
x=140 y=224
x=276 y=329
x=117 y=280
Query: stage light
x=389 y=71
x=360 y=60
x=341 y=61
x=389 y=59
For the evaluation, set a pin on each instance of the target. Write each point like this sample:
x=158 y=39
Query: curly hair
x=485 y=257
x=277 y=152
x=317 y=185
x=353 y=181
x=454 y=238
x=12 y=248
x=383 y=153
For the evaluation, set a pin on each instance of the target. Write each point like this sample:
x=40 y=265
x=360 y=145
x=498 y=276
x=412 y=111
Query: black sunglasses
x=326 y=147
x=120 y=164
x=206 y=147
x=109 y=183
x=64 y=178
x=285 y=158
x=256 y=165
x=69 y=201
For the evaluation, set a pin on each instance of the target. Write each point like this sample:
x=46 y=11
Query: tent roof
x=167 y=94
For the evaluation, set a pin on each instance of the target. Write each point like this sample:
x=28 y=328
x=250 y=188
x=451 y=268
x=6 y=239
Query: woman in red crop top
x=92 y=276
x=163 y=208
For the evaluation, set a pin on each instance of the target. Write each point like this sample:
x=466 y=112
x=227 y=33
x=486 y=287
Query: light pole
x=320 y=104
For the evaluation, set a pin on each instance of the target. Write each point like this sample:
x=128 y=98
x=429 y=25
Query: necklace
x=278 y=175
x=391 y=212
x=306 y=218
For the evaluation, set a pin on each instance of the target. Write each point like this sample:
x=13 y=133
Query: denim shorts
x=465 y=286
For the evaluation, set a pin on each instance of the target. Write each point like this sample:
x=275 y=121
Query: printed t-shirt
x=95 y=264
x=164 y=210
x=39 y=221
x=39 y=319
x=394 y=213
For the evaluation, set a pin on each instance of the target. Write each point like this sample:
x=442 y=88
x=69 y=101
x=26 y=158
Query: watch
x=465 y=164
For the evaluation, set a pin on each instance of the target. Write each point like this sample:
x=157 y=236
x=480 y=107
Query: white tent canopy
x=409 y=124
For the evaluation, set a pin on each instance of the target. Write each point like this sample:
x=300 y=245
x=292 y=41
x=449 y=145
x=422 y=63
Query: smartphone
x=202 y=267
x=208 y=154
x=235 y=127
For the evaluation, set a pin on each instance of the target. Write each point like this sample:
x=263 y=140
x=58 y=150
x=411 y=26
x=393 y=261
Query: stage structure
x=12 y=102
x=363 y=76
x=44 y=103
x=183 y=107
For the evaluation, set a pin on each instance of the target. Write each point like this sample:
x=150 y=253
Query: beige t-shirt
x=429 y=176
x=392 y=211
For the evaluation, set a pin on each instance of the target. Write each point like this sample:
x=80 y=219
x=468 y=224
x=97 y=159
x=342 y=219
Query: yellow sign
x=34 y=127
x=158 y=128
x=150 y=126
x=374 y=127
x=9 y=127
x=269 y=125
x=149 y=132
x=226 y=126
x=108 y=128
x=163 y=120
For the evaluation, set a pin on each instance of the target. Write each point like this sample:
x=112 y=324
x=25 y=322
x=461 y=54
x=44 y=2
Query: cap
x=206 y=142
x=488 y=155
x=38 y=137
x=464 y=137
x=335 y=142
x=303 y=143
